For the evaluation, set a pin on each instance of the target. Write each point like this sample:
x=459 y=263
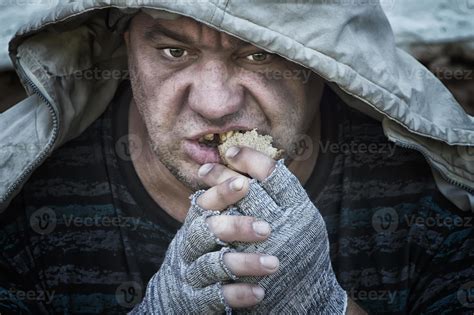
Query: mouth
x=213 y=140
x=204 y=149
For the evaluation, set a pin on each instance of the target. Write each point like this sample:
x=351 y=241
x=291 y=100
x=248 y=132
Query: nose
x=214 y=92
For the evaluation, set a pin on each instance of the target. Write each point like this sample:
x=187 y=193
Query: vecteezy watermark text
x=45 y=220
x=356 y=147
x=302 y=75
x=439 y=221
x=118 y=221
x=28 y=295
x=371 y=295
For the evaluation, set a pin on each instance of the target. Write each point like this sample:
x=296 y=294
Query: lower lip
x=201 y=153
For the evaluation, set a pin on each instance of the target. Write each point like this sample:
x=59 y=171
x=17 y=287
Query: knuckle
x=222 y=228
x=248 y=228
x=213 y=223
x=244 y=293
x=249 y=260
x=228 y=258
x=222 y=191
x=241 y=227
x=232 y=228
x=244 y=224
x=245 y=221
x=270 y=168
x=201 y=200
x=239 y=295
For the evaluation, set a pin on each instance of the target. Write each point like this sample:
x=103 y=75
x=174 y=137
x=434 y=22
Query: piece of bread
x=250 y=139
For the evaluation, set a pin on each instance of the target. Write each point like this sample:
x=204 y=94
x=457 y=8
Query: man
x=104 y=224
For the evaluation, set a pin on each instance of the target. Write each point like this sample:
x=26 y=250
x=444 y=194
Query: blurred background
x=439 y=33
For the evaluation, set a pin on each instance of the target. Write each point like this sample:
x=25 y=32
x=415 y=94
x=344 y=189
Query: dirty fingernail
x=205 y=169
x=237 y=184
x=258 y=292
x=261 y=228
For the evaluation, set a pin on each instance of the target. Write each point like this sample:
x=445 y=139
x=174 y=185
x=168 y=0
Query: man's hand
x=192 y=276
x=227 y=188
x=305 y=281
x=197 y=278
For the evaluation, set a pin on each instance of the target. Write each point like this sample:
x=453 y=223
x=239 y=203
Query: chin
x=185 y=172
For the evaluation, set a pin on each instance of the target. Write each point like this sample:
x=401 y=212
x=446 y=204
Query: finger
x=195 y=210
x=252 y=162
x=250 y=264
x=238 y=228
x=284 y=187
x=199 y=239
x=224 y=194
x=210 y=300
x=241 y=295
x=257 y=203
x=213 y=174
x=226 y=265
x=208 y=269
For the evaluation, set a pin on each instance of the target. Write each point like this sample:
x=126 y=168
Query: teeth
x=226 y=135
x=209 y=137
x=222 y=136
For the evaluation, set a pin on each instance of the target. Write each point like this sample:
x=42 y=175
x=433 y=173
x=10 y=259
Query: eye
x=258 y=56
x=175 y=53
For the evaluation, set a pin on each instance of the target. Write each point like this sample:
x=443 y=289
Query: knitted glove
x=189 y=280
x=305 y=281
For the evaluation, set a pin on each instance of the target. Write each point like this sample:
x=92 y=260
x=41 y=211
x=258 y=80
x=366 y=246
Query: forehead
x=185 y=30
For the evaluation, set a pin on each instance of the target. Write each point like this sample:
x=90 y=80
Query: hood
x=348 y=43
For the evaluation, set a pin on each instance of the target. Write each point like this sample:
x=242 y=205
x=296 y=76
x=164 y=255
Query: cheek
x=285 y=103
x=154 y=92
x=289 y=110
x=273 y=97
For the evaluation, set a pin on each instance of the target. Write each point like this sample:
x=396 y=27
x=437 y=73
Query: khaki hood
x=348 y=43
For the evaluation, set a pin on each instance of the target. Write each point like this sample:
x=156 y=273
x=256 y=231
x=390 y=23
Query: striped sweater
x=84 y=237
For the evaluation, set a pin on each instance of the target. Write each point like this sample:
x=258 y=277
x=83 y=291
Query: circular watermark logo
x=301 y=148
x=127 y=144
x=129 y=294
x=466 y=294
x=43 y=221
x=385 y=220
x=466 y=153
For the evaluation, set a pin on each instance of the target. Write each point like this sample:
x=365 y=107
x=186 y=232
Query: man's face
x=189 y=80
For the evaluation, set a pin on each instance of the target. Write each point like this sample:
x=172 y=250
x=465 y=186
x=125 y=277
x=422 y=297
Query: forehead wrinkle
x=197 y=34
x=213 y=38
x=157 y=31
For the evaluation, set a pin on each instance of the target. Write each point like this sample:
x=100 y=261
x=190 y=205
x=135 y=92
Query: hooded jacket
x=349 y=44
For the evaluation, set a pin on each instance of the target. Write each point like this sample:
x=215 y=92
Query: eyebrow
x=158 y=31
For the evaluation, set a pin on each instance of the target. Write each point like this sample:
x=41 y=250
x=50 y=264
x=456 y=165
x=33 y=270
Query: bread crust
x=251 y=139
